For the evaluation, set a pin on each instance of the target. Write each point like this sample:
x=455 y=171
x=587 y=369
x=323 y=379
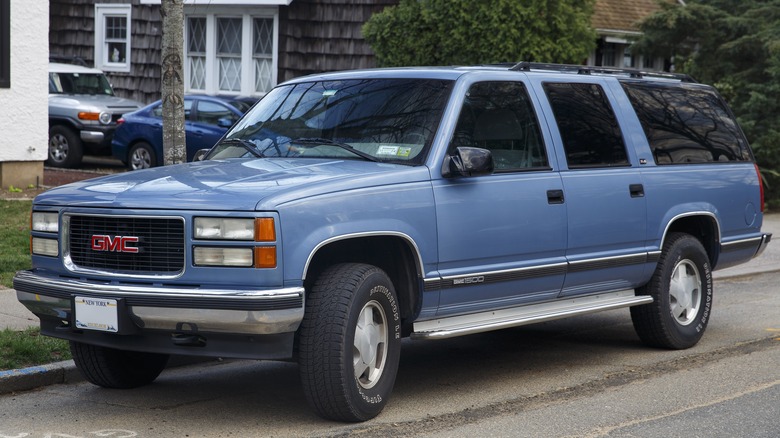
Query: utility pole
x=174 y=140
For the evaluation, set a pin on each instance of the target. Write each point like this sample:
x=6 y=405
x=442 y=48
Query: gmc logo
x=102 y=242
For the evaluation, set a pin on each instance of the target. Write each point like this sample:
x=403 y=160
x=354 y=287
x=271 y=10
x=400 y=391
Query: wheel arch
x=395 y=253
x=65 y=122
x=703 y=225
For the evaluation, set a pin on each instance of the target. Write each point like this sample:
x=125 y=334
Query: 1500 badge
x=468 y=280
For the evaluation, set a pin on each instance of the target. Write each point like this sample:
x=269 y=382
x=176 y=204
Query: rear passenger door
x=603 y=189
x=502 y=237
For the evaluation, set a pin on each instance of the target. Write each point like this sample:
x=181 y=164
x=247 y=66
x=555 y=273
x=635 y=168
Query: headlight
x=224 y=229
x=259 y=230
x=105 y=118
x=47 y=247
x=212 y=256
x=46 y=222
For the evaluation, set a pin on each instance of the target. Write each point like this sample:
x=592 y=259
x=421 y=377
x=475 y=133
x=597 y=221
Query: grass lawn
x=14 y=239
x=19 y=349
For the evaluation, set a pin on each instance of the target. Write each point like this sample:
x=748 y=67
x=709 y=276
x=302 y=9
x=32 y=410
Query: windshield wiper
x=329 y=142
x=246 y=144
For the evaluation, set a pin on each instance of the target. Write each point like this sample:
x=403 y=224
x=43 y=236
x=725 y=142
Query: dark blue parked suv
x=346 y=211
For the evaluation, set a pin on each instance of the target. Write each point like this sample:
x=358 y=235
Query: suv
x=346 y=211
x=83 y=111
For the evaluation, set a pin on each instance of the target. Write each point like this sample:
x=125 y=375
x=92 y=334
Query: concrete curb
x=26 y=379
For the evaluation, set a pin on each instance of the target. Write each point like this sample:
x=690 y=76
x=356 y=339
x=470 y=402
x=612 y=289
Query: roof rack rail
x=604 y=70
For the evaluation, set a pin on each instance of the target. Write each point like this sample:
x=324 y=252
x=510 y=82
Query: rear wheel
x=141 y=156
x=681 y=288
x=65 y=148
x=118 y=369
x=350 y=342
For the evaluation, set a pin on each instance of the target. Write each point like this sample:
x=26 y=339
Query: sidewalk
x=15 y=316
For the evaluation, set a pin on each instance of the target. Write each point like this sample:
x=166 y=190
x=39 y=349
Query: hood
x=99 y=102
x=241 y=185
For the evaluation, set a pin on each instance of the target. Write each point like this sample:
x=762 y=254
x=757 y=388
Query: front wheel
x=117 y=369
x=681 y=288
x=65 y=148
x=350 y=342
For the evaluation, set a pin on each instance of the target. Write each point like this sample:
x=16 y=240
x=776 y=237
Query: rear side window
x=687 y=124
x=589 y=130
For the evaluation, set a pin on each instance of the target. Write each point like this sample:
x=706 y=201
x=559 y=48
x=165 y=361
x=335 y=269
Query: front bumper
x=187 y=317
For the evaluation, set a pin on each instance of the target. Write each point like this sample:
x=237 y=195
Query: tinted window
x=589 y=130
x=158 y=110
x=79 y=83
x=498 y=116
x=686 y=124
x=388 y=119
x=210 y=113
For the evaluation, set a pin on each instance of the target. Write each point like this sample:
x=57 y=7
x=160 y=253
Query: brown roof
x=622 y=15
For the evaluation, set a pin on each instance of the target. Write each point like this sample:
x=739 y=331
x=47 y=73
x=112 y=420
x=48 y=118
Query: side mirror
x=200 y=154
x=467 y=161
x=224 y=122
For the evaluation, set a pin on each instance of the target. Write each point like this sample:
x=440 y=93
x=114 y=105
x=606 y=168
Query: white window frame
x=247 y=57
x=102 y=57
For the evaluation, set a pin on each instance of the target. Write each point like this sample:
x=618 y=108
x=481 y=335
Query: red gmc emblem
x=101 y=242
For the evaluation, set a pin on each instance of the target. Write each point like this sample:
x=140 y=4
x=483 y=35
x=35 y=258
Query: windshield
x=389 y=120
x=79 y=83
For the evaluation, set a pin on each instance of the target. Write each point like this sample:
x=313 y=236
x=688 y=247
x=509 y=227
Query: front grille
x=160 y=244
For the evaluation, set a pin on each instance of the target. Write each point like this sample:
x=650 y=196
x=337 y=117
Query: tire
x=351 y=320
x=65 y=148
x=117 y=369
x=141 y=156
x=681 y=288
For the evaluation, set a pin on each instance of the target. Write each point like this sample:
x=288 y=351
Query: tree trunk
x=174 y=140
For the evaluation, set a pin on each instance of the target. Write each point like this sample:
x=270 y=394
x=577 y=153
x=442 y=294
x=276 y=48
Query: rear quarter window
x=687 y=124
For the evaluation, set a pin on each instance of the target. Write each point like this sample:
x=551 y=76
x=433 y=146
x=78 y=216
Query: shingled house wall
x=314 y=36
x=325 y=35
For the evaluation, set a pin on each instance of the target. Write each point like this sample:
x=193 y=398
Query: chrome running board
x=516 y=316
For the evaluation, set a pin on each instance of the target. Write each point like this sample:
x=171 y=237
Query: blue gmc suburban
x=348 y=210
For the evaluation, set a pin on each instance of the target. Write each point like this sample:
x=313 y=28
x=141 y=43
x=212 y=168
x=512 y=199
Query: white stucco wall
x=24 y=108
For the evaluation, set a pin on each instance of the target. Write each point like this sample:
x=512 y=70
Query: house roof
x=622 y=16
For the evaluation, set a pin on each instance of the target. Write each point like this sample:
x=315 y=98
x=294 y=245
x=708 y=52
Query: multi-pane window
x=196 y=52
x=112 y=37
x=231 y=52
x=262 y=53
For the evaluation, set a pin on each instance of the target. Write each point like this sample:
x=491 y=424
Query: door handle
x=636 y=190
x=555 y=196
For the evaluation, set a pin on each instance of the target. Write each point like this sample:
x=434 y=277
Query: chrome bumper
x=92 y=136
x=765 y=239
x=252 y=312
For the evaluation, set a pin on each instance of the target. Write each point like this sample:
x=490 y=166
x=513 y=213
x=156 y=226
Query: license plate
x=96 y=314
